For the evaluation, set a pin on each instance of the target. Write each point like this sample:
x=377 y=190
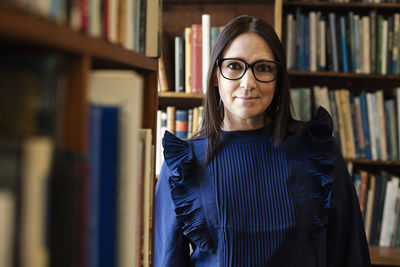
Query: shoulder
x=177 y=150
x=314 y=136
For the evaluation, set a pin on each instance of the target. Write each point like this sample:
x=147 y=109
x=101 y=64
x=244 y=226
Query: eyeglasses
x=234 y=69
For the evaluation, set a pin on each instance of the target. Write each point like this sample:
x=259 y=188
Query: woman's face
x=246 y=100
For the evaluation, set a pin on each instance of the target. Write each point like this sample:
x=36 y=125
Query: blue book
x=181 y=123
x=343 y=40
x=307 y=44
x=103 y=155
x=302 y=42
x=365 y=125
x=332 y=25
x=352 y=42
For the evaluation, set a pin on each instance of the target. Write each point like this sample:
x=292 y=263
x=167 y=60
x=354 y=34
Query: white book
x=7 y=211
x=366 y=66
x=161 y=128
x=382 y=127
x=324 y=94
x=289 y=42
x=206 y=32
x=389 y=212
x=397 y=93
x=95 y=18
x=322 y=44
x=372 y=126
x=124 y=89
x=36 y=162
x=341 y=123
x=313 y=40
x=384 y=49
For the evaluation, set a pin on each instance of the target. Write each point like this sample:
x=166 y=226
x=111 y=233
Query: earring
x=221 y=104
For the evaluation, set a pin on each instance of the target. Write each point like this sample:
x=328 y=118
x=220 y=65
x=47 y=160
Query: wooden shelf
x=29 y=30
x=216 y=2
x=181 y=100
x=385 y=256
x=375 y=162
x=334 y=5
x=343 y=80
x=343 y=75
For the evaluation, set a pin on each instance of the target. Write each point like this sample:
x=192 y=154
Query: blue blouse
x=259 y=205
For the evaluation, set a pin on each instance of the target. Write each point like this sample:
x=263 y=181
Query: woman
x=255 y=187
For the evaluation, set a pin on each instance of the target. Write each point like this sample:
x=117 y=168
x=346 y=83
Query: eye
x=263 y=67
x=234 y=66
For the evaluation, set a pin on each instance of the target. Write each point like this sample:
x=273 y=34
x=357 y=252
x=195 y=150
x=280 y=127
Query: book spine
x=179 y=76
x=343 y=43
x=197 y=59
x=206 y=33
x=188 y=60
x=181 y=123
x=335 y=56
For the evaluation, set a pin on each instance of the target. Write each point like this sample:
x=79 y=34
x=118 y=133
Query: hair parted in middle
x=278 y=115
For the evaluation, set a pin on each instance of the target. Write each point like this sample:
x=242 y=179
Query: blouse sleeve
x=347 y=243
x=171 y=247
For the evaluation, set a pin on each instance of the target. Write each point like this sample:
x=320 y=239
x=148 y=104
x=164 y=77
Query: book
x=146 y=139
x=197 y=59
x=205 y=38
x=334 y=47
x=181 y=123
x=36 y=166
x=290 y=44
x=179 y=65
x=7 y=210
x=313 y=40
x=301 y=99
x=389 y=212
x=127 y=98
x=171 y=119
x=102 y=207
x=370 y=205
x=188 y=59
x=153 y=28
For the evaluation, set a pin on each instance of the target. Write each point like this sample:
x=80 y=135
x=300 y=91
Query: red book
x=105 y=21
x=196 y=59
x=83 y=5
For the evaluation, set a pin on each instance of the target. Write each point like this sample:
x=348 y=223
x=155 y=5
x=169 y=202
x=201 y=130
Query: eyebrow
x=261 y=59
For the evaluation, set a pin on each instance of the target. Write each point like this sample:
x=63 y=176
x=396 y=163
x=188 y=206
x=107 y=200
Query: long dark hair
x=279 y=112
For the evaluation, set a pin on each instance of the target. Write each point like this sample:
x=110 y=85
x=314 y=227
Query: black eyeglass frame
x=247 y=65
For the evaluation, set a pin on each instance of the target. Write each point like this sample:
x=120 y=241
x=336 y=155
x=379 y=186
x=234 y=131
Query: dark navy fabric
x=257 y=204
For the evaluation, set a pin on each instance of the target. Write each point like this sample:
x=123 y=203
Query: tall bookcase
x=180 y=14
x=23 y=31
x=354 y=82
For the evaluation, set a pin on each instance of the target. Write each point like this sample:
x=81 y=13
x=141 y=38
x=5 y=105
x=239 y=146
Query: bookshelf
x=24 y=31
x=354 y=82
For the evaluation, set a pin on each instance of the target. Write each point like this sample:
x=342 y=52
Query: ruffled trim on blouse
x=179 y=157
x=319 y=165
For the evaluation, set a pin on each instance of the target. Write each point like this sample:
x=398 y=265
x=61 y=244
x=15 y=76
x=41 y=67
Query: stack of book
x=135 y=24
x=191 y=58
x=354 y=43
x=379 y=197
x=367 y=124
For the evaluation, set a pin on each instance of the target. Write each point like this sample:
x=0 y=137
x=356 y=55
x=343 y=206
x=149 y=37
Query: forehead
x=249 y=46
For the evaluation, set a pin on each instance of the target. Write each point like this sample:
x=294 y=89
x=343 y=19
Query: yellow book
x=188 y=60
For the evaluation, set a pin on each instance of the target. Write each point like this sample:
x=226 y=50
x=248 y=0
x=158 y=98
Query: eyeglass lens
x=263 y=70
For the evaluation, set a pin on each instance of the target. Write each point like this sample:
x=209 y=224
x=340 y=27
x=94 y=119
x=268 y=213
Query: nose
x=248 y=81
